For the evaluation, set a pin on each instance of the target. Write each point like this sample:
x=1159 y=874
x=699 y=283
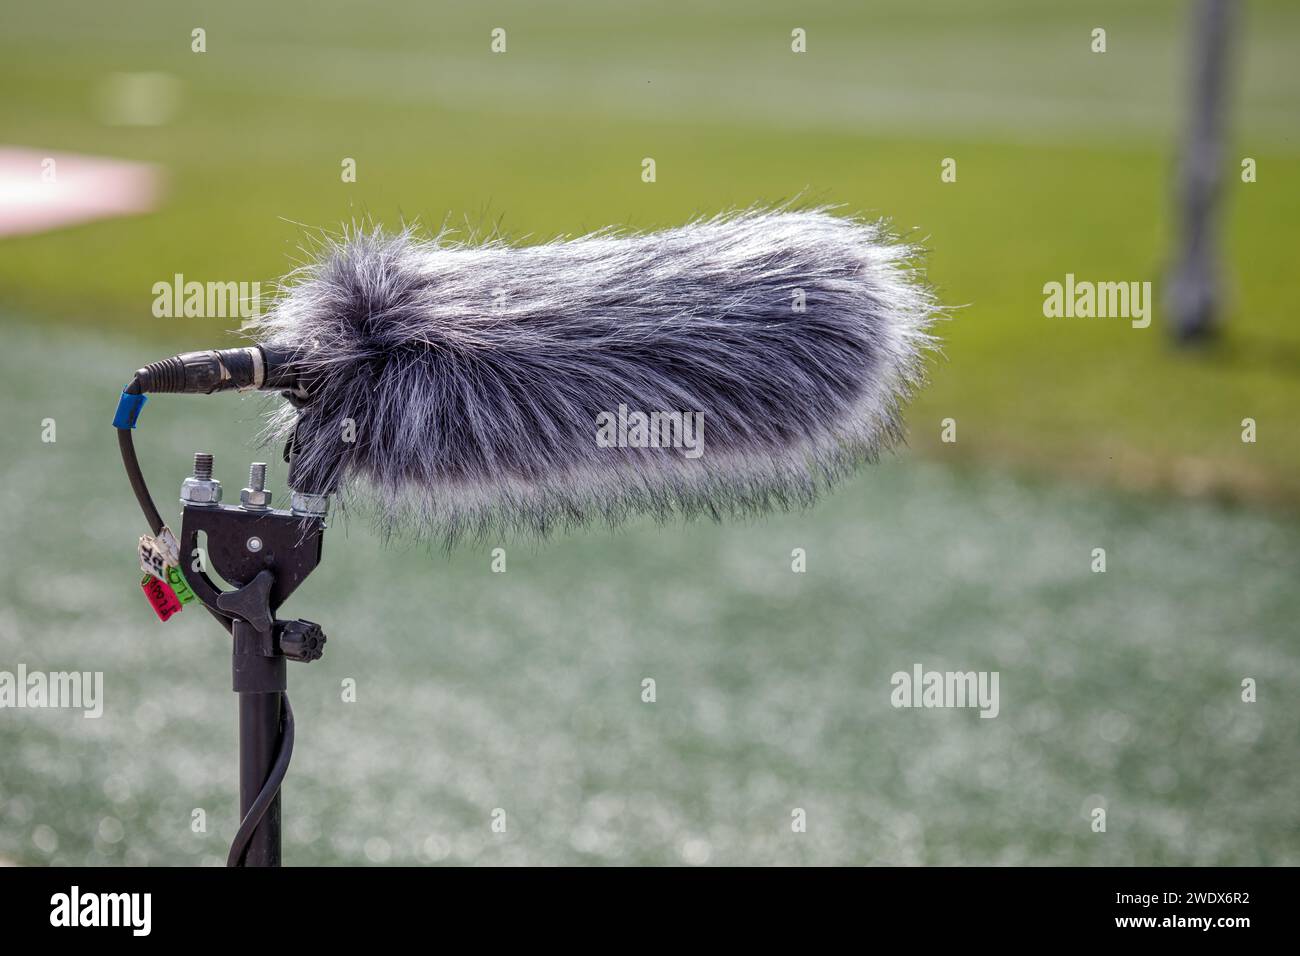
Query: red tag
x=161 y=597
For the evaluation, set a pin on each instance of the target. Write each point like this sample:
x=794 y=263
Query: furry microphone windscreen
x=725 y=367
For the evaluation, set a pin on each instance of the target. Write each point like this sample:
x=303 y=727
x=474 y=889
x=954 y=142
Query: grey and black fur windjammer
x=476 y=376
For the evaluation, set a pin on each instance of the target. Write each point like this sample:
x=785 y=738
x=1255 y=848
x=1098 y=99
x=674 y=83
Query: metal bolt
x=255 y=497
x=254 y=544
x=201 y=489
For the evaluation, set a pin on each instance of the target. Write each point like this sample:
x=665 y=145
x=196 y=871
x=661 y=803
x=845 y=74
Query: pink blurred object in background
x=40 y=191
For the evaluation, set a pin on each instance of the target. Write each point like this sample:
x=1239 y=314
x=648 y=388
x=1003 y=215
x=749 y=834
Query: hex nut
x=308 y=505
x=200 y=491
x=255 y=500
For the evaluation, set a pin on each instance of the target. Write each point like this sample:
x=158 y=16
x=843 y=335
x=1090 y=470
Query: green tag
x=177 y=580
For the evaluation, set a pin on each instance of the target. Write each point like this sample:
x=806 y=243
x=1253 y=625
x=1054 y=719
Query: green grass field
x=1064 y=161
x=522 y=691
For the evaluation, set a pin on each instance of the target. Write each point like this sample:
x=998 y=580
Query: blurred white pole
x=1194 y=294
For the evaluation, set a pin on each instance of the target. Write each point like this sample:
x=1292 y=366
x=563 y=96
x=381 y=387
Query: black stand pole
x=260 y=647
x=259 y=732
x=260 y=681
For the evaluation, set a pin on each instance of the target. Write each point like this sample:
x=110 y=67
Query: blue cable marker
x=128 y=410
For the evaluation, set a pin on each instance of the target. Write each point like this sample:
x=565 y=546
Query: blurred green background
x=522 y=690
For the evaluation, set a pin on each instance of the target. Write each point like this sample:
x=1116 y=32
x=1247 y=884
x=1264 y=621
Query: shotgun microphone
x=730 y=366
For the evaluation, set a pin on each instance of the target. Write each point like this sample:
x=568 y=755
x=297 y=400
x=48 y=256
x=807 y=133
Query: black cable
x=269 y=789
x=126 y=444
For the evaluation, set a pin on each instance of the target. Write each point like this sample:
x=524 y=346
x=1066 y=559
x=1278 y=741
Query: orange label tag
x=161 y=597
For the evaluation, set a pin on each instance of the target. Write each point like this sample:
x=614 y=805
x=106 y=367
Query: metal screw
x=254 y=543
x=201 y=489
x=255 y=497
